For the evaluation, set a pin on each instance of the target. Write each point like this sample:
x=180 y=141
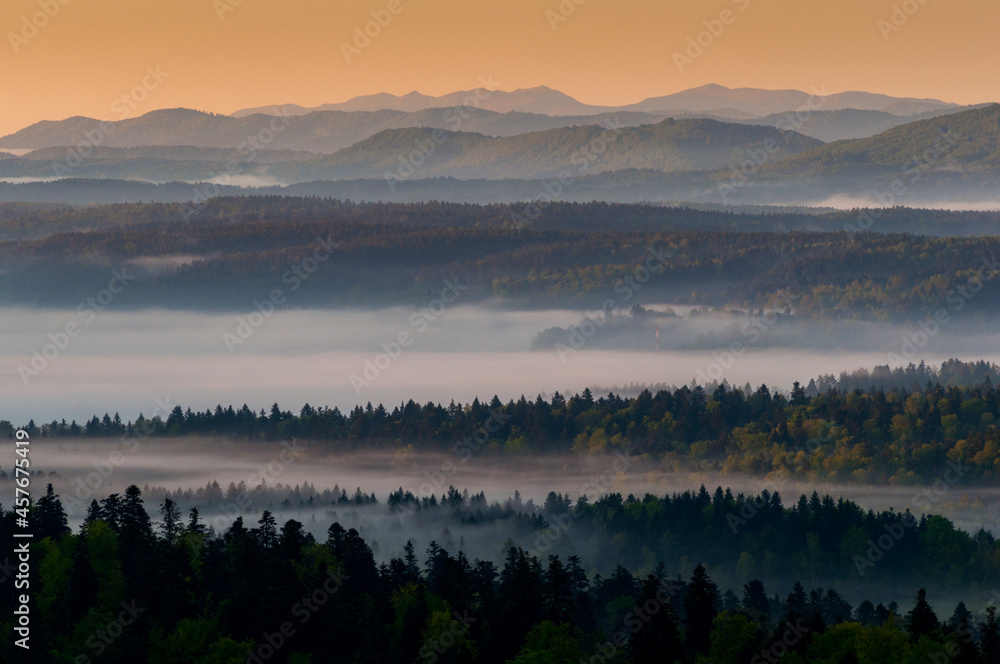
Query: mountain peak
x=740 y=103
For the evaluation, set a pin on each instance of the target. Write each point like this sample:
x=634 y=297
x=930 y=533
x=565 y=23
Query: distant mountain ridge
x=329 y=131
x=321 y=132
x=711 y=97
x=765 y=102
x=542 y=100
x=952 y=158
x=422 y=152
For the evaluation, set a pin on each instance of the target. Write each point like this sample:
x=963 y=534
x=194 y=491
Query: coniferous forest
x=696 y=576
x=440 y=332
x=903 y=428
x=125 y=587
x=725 y=575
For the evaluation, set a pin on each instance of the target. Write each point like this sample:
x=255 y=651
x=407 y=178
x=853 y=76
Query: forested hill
x=968 y=141
x=34 y=220
x=902 y=436
x=392 y=254
x=268 y=591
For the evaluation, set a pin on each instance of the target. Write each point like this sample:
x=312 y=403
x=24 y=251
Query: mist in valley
x=147 y=362
x=132 y=362
x=316 y=484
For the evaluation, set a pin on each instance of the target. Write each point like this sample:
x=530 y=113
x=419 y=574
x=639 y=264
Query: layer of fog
x=295 y=482
x=734 y=330
x=246 y=181
x=147 y=265
x=851 y=202
x=82 y=470
x=125 y=361
x=29 y=180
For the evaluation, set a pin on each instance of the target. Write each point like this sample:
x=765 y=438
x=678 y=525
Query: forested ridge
x=29 y=220
x=127 y=589
x=904 y=434
x=383 y=259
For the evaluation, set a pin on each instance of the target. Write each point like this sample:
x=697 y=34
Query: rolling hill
x=423 y=152
x=324 y=131
x=841 y=124
x=670 y=145
x=951 y=160
x=964 y=142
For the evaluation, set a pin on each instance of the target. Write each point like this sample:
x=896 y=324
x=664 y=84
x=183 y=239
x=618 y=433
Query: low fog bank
x=282 y=476
x=134 y=362
x=226 y=481
x=851 y=202
x=722 y=328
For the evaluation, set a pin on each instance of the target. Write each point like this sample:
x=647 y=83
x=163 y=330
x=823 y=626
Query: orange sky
x=91 y=52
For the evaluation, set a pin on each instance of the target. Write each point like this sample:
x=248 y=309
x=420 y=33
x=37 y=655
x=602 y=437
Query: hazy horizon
x=781 y=45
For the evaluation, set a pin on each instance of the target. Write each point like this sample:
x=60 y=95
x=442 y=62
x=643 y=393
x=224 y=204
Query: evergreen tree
x=921 y=619
x=655 y=638
x=195 y=526
x=170 y=526
x=93 y=514
x=865 y=613
x=50 y=518
x=701 y=604
x=756 y=605
x=989 y=642
x=266 y=531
